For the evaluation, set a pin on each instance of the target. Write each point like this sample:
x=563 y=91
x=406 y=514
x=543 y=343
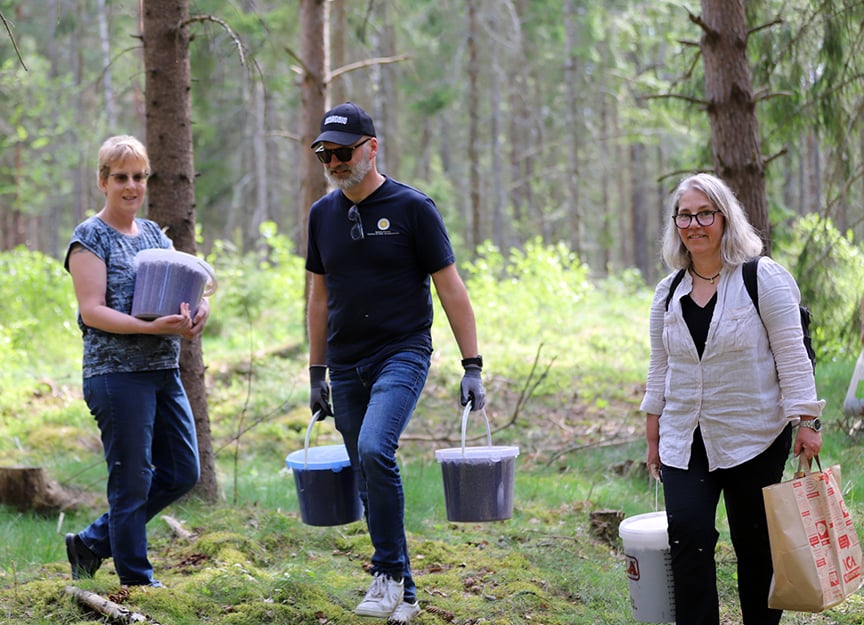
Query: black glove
x=319 y=392
x=471 y=388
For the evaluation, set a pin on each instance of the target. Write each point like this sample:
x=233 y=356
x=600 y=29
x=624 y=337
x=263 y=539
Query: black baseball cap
x=345 y=124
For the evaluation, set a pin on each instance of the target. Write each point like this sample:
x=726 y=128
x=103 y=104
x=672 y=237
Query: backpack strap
x=750 y=282
x=675 y=282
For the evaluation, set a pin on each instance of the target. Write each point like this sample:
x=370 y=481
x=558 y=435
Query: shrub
x=827 y=265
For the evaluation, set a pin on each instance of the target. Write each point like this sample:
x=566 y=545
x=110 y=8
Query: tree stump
x=29 y=488
x=604 y=524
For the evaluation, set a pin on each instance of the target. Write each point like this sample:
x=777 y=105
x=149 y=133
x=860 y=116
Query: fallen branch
x=178 y=529
x=595 y=445
x=113 y=611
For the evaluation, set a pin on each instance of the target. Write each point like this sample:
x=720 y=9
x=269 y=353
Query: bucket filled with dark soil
x=478 y=481
x=327 y=489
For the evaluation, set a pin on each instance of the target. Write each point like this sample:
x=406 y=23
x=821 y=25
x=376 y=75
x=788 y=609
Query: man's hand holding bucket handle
x=319 y=392
x=471 y=388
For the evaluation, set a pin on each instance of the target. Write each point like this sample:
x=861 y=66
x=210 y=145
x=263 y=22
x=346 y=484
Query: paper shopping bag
x=814 y=545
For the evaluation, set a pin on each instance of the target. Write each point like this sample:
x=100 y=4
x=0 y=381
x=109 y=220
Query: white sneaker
x=382 y=598
x=404 y=613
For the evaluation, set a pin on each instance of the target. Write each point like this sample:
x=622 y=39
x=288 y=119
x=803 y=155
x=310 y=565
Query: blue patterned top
x=105 y=352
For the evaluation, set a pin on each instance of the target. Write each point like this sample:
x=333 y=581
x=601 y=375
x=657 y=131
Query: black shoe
x=84 y=562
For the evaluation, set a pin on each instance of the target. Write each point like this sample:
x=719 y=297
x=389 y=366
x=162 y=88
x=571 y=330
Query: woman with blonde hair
x=131 y=372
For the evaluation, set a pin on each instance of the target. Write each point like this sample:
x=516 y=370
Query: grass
x=564 y=384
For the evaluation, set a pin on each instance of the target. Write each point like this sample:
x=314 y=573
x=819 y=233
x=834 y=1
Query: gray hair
x=740 y=240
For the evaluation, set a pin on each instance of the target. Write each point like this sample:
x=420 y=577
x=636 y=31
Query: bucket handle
x=211 y=285
x=465 y=414
x=308 y=434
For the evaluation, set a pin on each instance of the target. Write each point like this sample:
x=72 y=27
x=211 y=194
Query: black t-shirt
x=378 y=287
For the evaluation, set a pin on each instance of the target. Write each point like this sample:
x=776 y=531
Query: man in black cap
x=374 y=244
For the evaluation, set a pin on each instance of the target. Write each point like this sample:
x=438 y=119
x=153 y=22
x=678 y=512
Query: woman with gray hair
x=727 y=383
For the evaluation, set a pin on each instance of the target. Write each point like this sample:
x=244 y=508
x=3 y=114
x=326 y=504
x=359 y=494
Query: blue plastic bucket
x=327 y=489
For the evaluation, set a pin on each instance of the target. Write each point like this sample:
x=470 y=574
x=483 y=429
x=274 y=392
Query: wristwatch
x=813 y=424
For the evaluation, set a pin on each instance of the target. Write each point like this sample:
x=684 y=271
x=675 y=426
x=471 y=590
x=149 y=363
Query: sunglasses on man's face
x=343 y=154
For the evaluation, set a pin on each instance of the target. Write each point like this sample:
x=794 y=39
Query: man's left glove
x=471 y=389
x=319 y=392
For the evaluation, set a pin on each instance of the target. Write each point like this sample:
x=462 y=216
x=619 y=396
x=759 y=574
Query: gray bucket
x=478 y=481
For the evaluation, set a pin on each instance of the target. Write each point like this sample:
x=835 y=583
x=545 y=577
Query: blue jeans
x=691 y=506
x=151 y=449
x=372 y=407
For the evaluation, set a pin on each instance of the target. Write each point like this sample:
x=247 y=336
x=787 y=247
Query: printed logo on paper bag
x=822 y=530
x=852 y=569
x=632 y=568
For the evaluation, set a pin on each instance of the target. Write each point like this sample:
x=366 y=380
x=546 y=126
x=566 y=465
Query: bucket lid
x=476 y=455
x=333 y=457
x=648 y=530
x=175 y=257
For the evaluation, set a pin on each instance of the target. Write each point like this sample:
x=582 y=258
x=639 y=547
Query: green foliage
x=827 y=265
x=37 y=323
x=524 y=296
x=38 y=114
x=255 y=562
x=259 y=300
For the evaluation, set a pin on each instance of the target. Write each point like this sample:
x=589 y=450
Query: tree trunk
x=732 y=109
x=575 y=128
x=171 y=192
x=339 y=87
x=639 y=208
x=313 y=22
x=473 y=70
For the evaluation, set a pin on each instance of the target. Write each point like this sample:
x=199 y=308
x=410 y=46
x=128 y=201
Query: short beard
x=358 y=173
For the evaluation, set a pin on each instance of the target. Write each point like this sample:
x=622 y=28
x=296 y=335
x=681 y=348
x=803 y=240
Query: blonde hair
x=740 y=240
x=117 y=149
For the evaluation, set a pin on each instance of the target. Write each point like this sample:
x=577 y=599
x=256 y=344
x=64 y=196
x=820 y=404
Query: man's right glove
x=471 y=390
x=319 y=392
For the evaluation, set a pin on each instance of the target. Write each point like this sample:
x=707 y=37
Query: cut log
x=113 y=611
x=178 y=529
x=30 y=488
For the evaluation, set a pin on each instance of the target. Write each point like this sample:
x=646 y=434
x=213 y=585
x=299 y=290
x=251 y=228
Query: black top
x=698 y=319
x=378 y=286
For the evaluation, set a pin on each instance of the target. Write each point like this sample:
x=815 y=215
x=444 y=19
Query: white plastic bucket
x=327 y=491
x=478 y=481
x=649 y=567
x=166 y=278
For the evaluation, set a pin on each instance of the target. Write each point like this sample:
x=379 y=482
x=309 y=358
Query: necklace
x=709 y=280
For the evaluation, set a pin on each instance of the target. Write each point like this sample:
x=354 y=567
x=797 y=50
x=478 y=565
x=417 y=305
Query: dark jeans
x=148 y=435
x=372 y=406
x=691 y=507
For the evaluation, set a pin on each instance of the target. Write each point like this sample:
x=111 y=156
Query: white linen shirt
x=753 y=378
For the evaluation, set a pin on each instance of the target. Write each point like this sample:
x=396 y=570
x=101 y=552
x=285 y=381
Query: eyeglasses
x=703 y=218
x=124 y=178
x=344 y=154
x=357 y=227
